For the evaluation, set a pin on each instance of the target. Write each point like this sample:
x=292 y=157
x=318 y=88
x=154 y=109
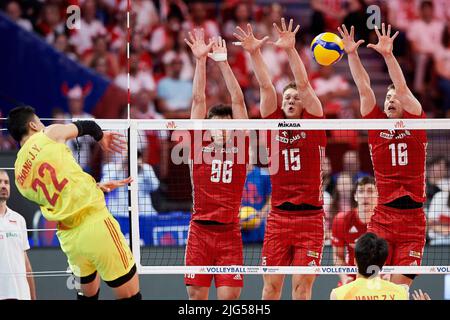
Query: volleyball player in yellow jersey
x=371 y=253
x=47 y=174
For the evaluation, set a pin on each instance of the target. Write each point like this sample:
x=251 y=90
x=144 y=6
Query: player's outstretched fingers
x=296 y=29
x=243 y=33
x=277 y=28
x=291 y=23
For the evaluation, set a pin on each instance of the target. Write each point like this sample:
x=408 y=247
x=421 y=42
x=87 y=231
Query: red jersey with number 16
x=295 y=158
x=398 y=158
x=218 y=176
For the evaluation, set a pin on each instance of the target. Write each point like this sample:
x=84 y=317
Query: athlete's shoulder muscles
x=61 y=132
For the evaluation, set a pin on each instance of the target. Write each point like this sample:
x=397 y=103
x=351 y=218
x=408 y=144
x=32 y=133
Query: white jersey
x=13 y=244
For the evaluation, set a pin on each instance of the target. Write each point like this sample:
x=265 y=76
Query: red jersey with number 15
x=295 y=158
x=398 y=158
x=218 y=176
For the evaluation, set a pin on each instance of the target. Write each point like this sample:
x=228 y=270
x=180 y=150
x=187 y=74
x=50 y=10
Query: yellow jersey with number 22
x=46 y=173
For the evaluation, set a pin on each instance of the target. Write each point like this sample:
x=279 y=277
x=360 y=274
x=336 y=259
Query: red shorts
x=293 y=238
x=404 y=230
x=214 y=245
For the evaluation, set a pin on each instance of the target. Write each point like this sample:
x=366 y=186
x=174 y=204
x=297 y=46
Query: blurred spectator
x=14 y=11
x=117 y=200
x=90 y=28
x=437 y=174
x=139 y=79
x=199 y=19
x=332 y=89
x=438 y=219
x=163 y=36
x=441 y=10
x=100 y=50
x=146 y=15
x=349 y=226
x=82 y=146
x=174 y=94
x=143 y=106
x=140 y=46
x=62 y=45
x=240 y=18
x=273 y=56
x=442 y=67
x=341 y=198
x=424 y=34
x=327 y=15
x=50 y=24
x=352 y=165
x=58 y=116
x=358 y=17
x=100 y=65
x=401 y=14
x=118 y=32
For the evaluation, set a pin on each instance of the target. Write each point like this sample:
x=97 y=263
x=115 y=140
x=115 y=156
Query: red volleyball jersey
x=347 y=228
x=398 y=158
x=295 y=158
x=218 y=176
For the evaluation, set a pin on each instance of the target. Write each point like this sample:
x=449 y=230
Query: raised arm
x=200 y=51
x=219 y=54
x=359 y=74
x=268 y=103
x=384 y=47
x=109 y=141
x=286 y=41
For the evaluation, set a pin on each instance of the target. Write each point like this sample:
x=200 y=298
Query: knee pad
x=81 y=296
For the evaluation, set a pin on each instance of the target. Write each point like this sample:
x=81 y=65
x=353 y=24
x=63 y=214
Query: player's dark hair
x=391 y=87
x=370 y=251
x=17 y=121
x=220 y=110
x=361 y=182
x=290 y=86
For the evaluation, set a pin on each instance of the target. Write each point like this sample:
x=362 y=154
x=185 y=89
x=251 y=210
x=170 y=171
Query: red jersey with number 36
x=398 y=158
x=218 y=176
x=295 y=158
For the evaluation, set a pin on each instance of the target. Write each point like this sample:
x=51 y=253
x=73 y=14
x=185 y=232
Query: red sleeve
x=408 y=115
x=338 y=230
x=376 y=113
x=277 y=114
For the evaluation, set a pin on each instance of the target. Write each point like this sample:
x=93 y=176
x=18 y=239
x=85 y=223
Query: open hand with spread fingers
x=286 y=36
x=385 y=43
x=114 y=184
x=219 y=49
x=248 y=40
x=113 y=142
x=350 y=46
x=197 y=44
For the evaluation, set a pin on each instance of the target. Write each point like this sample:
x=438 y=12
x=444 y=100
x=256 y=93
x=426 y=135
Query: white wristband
x=218 y=56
